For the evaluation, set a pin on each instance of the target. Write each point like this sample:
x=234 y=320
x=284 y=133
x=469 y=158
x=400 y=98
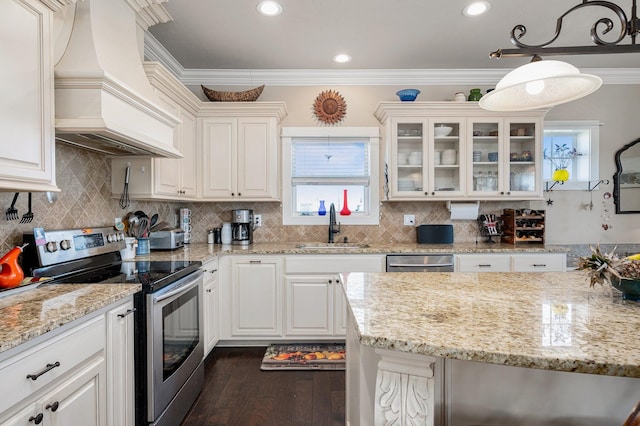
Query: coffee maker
x=241 y=227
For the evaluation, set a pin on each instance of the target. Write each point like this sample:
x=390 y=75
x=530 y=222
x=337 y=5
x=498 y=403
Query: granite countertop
x=45 y=307
x=203 y=252
x=39 y=309
x=549 y=320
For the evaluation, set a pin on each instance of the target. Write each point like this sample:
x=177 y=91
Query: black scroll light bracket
x=550 y=188
x=490 y=226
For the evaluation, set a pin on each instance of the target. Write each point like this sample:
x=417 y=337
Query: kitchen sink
x=331 y=246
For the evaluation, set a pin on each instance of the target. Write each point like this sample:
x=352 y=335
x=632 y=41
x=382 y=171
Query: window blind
x=329 y=158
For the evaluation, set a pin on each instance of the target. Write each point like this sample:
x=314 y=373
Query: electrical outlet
x=257 y=220
x=409 y=219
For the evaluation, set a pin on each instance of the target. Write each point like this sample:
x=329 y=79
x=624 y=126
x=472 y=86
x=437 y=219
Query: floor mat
x=304 y=356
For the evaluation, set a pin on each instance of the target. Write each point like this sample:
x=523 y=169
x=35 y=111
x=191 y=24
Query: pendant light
x=543 y=84
x=539 y=84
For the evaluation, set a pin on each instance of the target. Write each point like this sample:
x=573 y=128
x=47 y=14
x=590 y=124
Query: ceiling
x=378 y=34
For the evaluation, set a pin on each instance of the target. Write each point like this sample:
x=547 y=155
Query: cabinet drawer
x=538 y=262
x=70 y=349
x=210 y=269
x=301 y=264
x=483 y=263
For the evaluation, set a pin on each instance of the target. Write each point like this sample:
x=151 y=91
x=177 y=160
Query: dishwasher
x=440 y=262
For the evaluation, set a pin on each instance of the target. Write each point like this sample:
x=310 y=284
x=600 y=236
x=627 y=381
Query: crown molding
x=154 y=51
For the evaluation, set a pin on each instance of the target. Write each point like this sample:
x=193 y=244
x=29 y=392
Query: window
x=572 y=145
x=320 y=164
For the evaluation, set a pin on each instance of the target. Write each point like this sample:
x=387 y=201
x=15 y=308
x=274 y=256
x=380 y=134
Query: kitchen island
x=482 y=348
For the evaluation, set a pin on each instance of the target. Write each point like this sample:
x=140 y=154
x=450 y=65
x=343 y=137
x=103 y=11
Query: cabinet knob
x=239 y=194
x=330 y=281
x=213 y=271
x=53 y=407
x=209 y=290
x=37 y=419
x=233 y=194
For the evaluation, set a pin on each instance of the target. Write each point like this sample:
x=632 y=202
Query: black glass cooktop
x=152 y=275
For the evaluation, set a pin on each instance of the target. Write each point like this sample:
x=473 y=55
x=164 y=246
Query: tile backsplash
x=85 y=200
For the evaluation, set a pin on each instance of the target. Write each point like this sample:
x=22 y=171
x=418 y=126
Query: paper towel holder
x=463 y=202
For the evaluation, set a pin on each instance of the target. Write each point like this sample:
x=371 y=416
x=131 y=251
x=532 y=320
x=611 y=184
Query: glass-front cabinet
x=504 y=158
x=426 y=158
x=524 y=177
x=457 y=151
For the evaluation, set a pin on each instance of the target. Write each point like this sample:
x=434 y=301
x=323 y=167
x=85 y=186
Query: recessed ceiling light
x=269 y=8
x=476 y=8
x=342 y=58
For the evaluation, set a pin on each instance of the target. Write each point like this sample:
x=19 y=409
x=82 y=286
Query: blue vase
x=322 y=210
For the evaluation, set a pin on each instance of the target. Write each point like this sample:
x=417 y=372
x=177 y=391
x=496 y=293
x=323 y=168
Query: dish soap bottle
x=12 y=274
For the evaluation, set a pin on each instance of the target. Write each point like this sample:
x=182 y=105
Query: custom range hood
x=103 y=99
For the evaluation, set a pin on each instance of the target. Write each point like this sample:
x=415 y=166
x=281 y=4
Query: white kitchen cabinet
x=210 y=306
x=309 y=305
x=120 y=365
x=424 y=162
x=256 y=296
x=547 y=262
x=508 y=158
x=315 y=304
x=483 y=263
x=240 y=151
x=517 y=262
x=423 y=165
x=84 y=373
x=59 y=381
x=164 y=178
x=27 y=149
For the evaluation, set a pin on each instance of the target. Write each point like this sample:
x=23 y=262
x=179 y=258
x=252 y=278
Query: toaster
x=167 y=239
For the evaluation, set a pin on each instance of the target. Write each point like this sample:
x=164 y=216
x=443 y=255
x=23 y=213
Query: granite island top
x=548 y=320
x=45 y=307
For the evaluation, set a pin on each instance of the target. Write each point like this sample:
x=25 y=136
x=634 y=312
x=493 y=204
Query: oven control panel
x=53 y=247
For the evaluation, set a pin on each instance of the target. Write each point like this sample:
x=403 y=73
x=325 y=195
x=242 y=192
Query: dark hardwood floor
x=237 y=392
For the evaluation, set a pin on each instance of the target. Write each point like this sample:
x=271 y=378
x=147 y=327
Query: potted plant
x=622 y=274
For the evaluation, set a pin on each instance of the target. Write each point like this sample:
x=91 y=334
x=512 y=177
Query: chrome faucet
x=333 y=223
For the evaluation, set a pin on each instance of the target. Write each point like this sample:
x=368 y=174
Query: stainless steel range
x=169 y=347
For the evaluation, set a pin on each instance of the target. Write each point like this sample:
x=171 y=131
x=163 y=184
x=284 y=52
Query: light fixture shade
x=539 y=84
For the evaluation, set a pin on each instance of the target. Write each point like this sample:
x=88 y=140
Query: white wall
x=616 y=106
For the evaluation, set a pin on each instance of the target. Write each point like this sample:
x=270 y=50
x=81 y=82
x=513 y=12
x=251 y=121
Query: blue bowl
x=408 y=95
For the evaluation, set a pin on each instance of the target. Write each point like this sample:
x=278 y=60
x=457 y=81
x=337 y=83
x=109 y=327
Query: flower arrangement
x=562 y=156
x=608 y=267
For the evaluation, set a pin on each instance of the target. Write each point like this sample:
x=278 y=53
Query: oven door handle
x=179 y=289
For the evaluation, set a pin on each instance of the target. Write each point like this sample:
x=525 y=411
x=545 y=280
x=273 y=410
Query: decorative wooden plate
x=330 y=107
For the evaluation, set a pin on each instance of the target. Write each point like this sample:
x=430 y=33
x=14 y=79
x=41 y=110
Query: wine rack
x=523 y=226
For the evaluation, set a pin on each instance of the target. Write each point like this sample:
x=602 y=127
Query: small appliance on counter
x=435 y=234
x=167 y=239
x=241 y=227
